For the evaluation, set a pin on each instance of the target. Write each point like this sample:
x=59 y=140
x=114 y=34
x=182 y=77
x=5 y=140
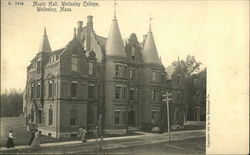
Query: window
x=131 y=94
x=124 y=92
x=153 y=76
x=73 y=89
x=32 y=91
x=90 y=117
x=74 y=63
x=132 y=74
x=50 y=89
x=178 y=79
x=40 y=117
x=38 y=91
x=38 y=66
x=153 y=95
x=32 y=115
x=133 y=53
x=117 y=117
x=50 y=116
x=118 y=70
x=162 y=77
x=91 y=91
x=54 y=89
x=83 y=92
x=153 y=115
x=117 y=92
x=125 y=71
x=64 y=89
x=91 y=66
x=73 y=117
x=178 y=97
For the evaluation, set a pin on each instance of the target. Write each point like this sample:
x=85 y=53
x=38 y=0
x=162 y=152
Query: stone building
x=122 y=80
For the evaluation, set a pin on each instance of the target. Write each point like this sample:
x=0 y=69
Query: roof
x=59 y=51
x=101 y=40
x=170 y=70
x=125 y=41
x=114 y=44
x=150 y=54
x=44 y=46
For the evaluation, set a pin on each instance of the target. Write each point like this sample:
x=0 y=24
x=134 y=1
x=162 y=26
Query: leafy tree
x=11 y=103
x=200 y=92
x=194 y=83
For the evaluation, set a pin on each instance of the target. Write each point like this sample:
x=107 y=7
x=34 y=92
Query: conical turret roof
x=114 y=44
x=45 y=46
x=150 y=54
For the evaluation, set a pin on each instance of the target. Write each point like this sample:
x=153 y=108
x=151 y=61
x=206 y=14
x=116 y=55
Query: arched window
x=50 y=116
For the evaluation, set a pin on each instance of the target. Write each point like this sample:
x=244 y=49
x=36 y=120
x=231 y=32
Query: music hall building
x=120 y=79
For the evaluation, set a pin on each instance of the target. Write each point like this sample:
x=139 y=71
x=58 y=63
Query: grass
x=187 y=146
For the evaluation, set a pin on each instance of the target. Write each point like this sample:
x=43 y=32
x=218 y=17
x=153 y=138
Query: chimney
x=79 y=23
x=79 y=29
x=89 y=29
x=90 y=19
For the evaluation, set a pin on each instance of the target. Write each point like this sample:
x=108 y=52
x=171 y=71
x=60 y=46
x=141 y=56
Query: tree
x=200 y=92
x=194 y=83
x=11 y=103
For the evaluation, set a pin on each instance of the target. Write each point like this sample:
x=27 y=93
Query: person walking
x=83 y=134
x=32 y=136
x=10 y=141
x=36 y=140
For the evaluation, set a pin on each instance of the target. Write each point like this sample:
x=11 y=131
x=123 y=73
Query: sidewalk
x=150 y=137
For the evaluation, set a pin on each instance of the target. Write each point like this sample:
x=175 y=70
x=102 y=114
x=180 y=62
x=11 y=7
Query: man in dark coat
x=32 y=136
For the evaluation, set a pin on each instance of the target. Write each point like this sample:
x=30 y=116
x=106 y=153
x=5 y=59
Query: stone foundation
x=115 y=131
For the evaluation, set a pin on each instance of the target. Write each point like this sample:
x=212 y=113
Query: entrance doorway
x=131 y=118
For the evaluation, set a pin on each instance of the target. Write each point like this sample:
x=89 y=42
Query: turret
x=45 y=46
x=114 y=45
x=150 y=54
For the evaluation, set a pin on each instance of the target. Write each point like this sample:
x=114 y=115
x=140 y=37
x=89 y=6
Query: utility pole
x=166 y=98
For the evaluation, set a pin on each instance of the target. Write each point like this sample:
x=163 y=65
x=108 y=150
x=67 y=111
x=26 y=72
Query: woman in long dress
x=83 y=134
x=10 y=141
x=36 y=141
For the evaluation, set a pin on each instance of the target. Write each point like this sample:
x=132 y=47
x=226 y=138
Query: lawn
x=17 y=124
x=187 y=146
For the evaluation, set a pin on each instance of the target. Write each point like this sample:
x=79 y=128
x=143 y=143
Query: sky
x=179 y=29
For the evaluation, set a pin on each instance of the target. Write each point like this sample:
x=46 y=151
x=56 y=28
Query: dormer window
x=133 y=53
x=74 y=63
x=178 y=98
x=91 y=66
x=52 y=59
x=178 y=79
